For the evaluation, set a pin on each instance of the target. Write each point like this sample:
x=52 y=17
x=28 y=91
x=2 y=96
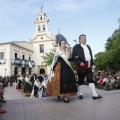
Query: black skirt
x=67 y=78
x=63 y=83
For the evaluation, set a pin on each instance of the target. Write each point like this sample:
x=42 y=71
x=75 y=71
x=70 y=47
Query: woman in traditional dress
x=37 y=89
x=63 y=83
x=20 y=82
x=27 y=87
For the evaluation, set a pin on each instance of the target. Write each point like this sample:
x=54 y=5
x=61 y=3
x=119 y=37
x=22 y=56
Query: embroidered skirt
x=63 y=83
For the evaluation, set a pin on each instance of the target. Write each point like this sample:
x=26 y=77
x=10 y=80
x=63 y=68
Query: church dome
x=60 y=37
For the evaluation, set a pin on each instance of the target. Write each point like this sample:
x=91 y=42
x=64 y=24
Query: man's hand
x=82 y=64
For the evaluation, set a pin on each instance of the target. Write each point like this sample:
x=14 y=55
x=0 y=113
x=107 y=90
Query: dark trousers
x=35 y=90
x=82 y=73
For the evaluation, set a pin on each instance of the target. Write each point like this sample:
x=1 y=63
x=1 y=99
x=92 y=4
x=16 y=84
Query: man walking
x=82 y=55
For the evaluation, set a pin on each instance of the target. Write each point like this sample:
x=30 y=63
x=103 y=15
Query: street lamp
x=75 y=40
x=5 y=71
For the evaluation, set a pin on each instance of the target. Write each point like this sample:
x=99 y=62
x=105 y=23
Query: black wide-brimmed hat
x=60 y=37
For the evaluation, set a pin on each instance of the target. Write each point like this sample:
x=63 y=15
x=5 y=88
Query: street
x=20 y=107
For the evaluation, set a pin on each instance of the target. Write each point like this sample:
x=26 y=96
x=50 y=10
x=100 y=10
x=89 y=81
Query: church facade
x=25 y=57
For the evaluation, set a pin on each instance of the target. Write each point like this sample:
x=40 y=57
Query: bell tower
x=41 y=23
x=42 y=41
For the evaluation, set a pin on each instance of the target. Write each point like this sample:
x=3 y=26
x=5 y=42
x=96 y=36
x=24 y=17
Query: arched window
x=43 y=27
x=23 y=70
x=41 y=18
x=42 y=70
x=39 y=29
x=30 y=70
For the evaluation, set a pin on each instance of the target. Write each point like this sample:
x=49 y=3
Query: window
x=29 y=58
x=41 y=17
x=23 y=57
x=43 y=27
x=39 y=29
x=15 y=55
x=1 y=55
x=41 y=48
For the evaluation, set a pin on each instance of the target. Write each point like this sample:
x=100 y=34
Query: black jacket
x=32 y=79
x=78 y=54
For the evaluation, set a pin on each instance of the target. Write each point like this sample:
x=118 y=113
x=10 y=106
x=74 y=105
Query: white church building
x=24 y=57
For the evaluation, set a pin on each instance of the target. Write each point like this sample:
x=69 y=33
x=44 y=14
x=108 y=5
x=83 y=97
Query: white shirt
x=104 y=80
x=86 y=53
x=112 y=81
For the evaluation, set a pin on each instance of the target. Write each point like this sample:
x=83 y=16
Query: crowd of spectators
x=3 y=83
x=107 y=81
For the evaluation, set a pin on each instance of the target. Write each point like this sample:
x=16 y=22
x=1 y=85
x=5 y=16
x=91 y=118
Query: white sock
x=40 y=93
x=92 y=86
x=79 y=90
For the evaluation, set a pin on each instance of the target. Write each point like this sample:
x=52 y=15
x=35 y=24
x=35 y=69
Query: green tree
x=99 y=61
x=48 y=57
x=110 y=59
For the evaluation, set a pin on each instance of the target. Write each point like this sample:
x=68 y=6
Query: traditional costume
x=27 y=87
x=82 y=54
x=20 y=82
x=37 y=89
x=63 y=82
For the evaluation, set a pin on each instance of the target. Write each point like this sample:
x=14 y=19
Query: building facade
x=25 y=57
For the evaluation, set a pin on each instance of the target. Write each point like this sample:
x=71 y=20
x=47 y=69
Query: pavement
x=20 y=107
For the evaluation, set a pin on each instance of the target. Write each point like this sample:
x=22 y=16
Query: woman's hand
x=82 y=64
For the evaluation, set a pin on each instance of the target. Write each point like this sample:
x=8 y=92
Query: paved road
x=12 y=94
x=20 y=107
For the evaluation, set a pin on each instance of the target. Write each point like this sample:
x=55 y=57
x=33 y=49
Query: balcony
x=23 y=63
x=30 y=63
x=16 y=61
x=2 y=61
x=33 y=63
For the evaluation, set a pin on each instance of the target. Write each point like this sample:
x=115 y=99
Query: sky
x=97 y=19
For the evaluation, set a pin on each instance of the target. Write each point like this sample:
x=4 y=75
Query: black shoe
x=99 y=97
x=65 y=99
x=58 y=97
x=2 y=99
x=80 y=97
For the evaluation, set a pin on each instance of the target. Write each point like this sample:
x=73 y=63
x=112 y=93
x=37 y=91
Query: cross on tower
x=41 y=7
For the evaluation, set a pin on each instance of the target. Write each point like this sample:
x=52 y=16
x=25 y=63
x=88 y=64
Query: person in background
x=27 y=87
x=32 y=79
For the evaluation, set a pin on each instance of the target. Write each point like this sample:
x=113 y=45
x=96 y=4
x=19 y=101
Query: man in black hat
x=82 y=55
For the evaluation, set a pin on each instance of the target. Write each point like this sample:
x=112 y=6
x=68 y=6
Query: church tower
x=41 y=23
x=42 y=30
x=42 y=41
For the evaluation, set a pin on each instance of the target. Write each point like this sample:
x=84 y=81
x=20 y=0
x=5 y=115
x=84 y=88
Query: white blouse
x=86 y=53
